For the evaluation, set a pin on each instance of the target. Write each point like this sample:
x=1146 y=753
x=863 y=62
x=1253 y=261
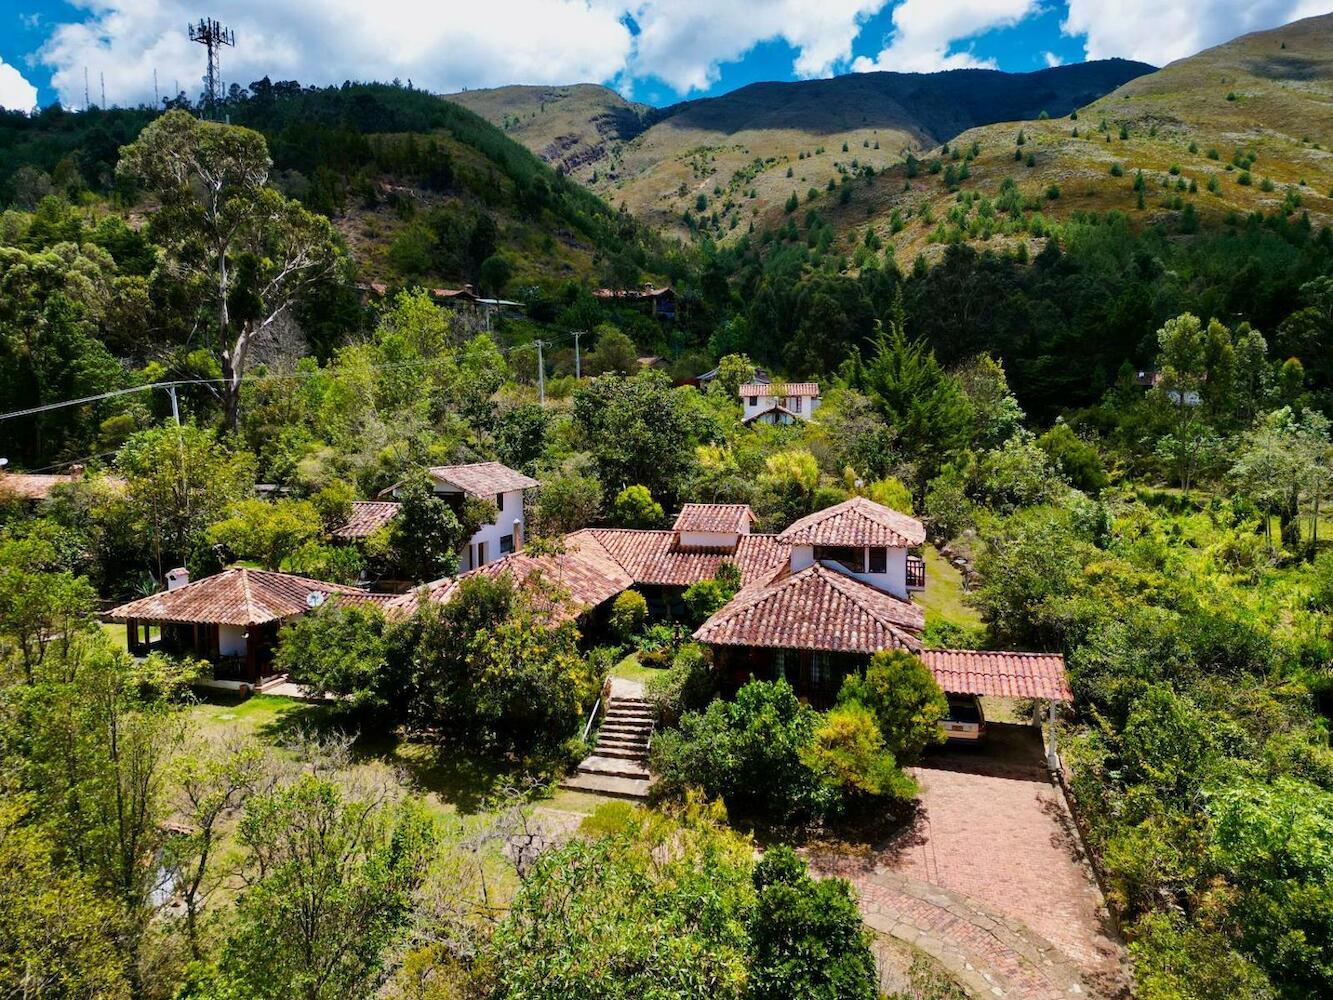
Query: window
x=499 y=501
x=853 y=557
x=506 y=544
x=796 y=404
x=481 y=553
x=879 y=560
x=754 y=400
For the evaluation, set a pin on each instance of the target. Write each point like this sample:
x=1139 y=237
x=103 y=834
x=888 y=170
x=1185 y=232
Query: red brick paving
x=993 y=827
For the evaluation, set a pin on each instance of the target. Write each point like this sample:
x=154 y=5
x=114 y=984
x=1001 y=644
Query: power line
x=172 y=385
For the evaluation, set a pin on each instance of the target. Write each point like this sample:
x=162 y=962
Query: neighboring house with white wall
x=778 y=402
x=502 y=486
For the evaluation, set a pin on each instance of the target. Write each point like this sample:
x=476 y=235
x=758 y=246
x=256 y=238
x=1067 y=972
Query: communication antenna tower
x=213 y=36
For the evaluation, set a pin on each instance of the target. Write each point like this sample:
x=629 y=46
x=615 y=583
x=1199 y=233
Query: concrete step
x=634 y=720
x=620 y=740
x=635 y=789
x=636 y=754
x=626 y=732
x=628 y=725
x=615 y=767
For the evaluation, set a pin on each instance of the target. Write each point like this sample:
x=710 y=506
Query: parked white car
x=966 y=722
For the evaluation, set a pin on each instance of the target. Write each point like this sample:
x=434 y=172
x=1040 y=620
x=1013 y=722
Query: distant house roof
x=857 y=521
x=483 y=479
x=816 y=609
x=779 y=389
x=33 y=486
x=367 y=517
x=760 y=376
x=722 y=518
x=653 y=558
x=238 y=596
x=999 y=674
x=773 y=408
x=585 y=570
x=652 y=361
x=464 y=294
x=646 y=292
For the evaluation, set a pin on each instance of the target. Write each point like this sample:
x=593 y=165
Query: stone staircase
x=618 y=764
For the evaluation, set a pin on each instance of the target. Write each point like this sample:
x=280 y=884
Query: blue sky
x=656 y=51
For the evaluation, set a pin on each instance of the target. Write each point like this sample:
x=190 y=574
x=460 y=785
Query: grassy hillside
x=574 y=128
x=1244 y=127
x=740 y=155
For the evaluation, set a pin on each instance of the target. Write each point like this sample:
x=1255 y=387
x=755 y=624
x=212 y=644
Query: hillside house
x=231 y=619
x=816 y=601
x=778 y=402
x=659 y=303
x=503 y=486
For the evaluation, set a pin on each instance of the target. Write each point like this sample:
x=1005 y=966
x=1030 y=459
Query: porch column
x=1052 y=751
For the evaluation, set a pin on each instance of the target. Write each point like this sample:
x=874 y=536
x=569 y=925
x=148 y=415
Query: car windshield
x=964 y=711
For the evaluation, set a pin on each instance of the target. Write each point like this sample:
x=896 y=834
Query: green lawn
x=632 y=670
x=943 y=596
x=450 y=780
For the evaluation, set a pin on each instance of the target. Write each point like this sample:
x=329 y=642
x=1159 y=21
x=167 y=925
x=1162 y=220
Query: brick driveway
x=992 y=826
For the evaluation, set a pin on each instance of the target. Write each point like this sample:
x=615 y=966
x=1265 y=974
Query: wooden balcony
x=916 y=573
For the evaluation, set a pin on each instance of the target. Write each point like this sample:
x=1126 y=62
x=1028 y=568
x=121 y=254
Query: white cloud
x=445 y=46
x=442 y=47
x=1159 y=31
x=1052 y=60
x=16 y=93
x=684 y=41
x=925 y=33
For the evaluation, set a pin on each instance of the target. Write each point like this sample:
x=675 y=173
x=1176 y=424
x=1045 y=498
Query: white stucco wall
x=511 y=511
x=709 y=539
x=892 y=581
x=231 y=640
x=808 y=405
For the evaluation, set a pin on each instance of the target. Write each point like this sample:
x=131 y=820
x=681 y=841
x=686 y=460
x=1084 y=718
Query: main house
x=816 y=600
x=778 y=402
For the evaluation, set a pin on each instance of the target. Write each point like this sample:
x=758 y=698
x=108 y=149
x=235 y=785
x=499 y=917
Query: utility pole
x=175 y=408
x=213 y=36
x=157 y=97
x=578 y=365
x=541 y=372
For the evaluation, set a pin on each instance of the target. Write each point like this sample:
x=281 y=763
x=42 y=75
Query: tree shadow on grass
x=464 y=777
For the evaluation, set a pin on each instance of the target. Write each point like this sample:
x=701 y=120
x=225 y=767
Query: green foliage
x=807 y=936
x=628 y=613
x=904 y=700
x=336 y=876
x=634 y=507
x=340 y=650
x=1077 y=460
x=688 y=685
x=266 y=532
x=426 y=534
x=566 y=503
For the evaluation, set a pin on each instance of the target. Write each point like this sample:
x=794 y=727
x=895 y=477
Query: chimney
x=177 y=578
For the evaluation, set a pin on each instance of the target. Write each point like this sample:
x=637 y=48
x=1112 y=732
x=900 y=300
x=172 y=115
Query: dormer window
x=879 y=560
x=754 y=400
x=852 y=557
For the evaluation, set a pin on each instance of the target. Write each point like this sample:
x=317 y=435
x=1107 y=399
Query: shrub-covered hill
x=1242 y=128
x=420 y=188
x=732 y=157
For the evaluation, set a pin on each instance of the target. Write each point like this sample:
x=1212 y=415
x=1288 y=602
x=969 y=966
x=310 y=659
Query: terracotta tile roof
x=584 y=569
x=779 y=389
x=818 y=609
x=653 y=557
x=239 y=596
x=714 y=517
x=1000 y=674
x=857 y=521
x=33 y=486
x=483 y=479
x=367 y=517
x=775 y=408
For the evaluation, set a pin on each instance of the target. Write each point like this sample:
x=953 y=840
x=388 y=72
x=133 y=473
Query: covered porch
x=237 y=652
